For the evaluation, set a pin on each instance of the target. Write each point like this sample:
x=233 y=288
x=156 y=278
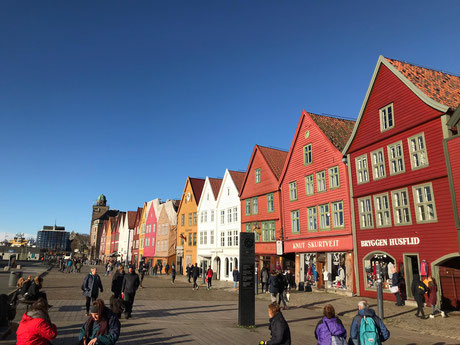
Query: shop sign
x=279 y=247
x=335 y=243
x=384 y=242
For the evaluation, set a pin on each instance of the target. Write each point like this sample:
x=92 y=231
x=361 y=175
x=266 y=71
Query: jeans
x=129 y=301
x=195 y=285
x=209 y=282
x=235 y=284
x=88 y=302
x=420 y=302
x=435 y=308
x=398 y=298
x=281 y=299
x=264 y=285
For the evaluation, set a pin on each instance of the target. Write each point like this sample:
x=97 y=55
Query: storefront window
x=386 y=262
x=338 y=270
x=311 y=275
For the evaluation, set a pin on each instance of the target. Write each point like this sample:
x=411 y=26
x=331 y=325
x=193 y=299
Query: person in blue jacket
x=91 y=286
x=365 y=311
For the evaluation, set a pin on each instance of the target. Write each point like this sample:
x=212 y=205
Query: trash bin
x=14 y=277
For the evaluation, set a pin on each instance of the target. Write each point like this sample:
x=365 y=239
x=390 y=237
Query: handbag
x=394 y=289
x=335 y=339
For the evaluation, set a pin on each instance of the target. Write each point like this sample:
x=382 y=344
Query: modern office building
x=53 y=238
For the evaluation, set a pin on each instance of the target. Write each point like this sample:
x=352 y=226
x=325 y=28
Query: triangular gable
x=237 y=178
x=229 y=176
x=194 y=182
x=215 y=186
x=423 y=97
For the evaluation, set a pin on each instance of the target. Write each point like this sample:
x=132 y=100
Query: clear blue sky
x=127 y=98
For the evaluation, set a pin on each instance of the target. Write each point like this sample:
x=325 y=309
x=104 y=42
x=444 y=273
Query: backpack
x=368 y=332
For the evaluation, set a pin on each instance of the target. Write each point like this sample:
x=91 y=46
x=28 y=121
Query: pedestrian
x=78 y=266
x=142 y=271
x=160 y=267
x=264 y=279
x=167 y=268
x=367 y=324
x=279 y=328
x=69 y=265
x=235 y=277
x=395 y=286
x=117 y=281
x=418 y=290
x=102 y=327
x=91 y=286
x=36 y=327
x=282 y=286
x=155 y=270
x=195 y=275
x=130 y=285
x=33 y=292
x=330 y=327
x=189 y=270
x=273 y=286
x=433 y=298
x=173 y=273
x=209 y=277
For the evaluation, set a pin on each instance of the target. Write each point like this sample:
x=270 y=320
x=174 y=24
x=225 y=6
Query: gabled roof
x=439 y=86
x=215 y=185
x=238 y=178
x=275 y=159
x=131 y=219
x=337 y=130
x=197 y=187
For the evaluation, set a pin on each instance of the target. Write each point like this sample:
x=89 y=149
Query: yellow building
x=143 y=219
x=108 y=237
x=187 y=224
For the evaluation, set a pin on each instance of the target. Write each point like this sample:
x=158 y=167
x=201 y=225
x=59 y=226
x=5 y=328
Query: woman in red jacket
x=433 y=298
x=36 y=327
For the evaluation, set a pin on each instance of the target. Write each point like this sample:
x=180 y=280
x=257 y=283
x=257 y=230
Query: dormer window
x=387 y=118
x=257 y=175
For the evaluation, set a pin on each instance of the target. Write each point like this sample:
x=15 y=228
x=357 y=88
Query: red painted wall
x=454 y=154
x=149 y=251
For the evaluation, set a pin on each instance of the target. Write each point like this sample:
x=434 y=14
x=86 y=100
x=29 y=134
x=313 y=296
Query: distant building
x=53 y=238
x=101 y=212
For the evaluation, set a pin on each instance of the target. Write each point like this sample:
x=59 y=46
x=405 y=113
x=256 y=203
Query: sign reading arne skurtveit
x=246 y=298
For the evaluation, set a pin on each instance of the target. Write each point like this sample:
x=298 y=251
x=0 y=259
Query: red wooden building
x=316 y=203
x=135 y=245
x=403 y=215
x=260 y=203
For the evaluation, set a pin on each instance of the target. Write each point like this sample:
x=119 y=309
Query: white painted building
x=126 y=236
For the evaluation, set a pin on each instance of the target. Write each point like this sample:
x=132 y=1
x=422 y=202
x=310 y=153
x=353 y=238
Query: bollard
x=14 y=277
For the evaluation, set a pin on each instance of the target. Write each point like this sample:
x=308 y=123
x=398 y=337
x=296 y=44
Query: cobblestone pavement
x=175 y=314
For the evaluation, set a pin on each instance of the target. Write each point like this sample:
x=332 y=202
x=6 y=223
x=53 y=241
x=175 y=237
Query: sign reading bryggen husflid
x=405 y=201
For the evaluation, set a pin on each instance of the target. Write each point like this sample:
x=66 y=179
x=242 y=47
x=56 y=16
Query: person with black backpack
x=418 y=290
x=367 y=328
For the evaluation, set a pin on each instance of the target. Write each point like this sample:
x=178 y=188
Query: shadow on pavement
x=402 y=313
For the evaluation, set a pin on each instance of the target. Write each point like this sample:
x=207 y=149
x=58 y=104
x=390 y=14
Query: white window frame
x=211 y=237
x=324 y=212
x=378 y=166
x=417 y=154
x=397 y=207
x=321 y=181
x=235 y=214
x=230 y=238
x=222 y=217
x=382 y=211
x=308 y=154
x=205 y=237
x=222 y=239
x=309 y=185
x=229 y=215
x=201 y=237
x=295 y=213
x=212 y=215
x=384 y=120
x=396 y=159
x=312 y=213
x=336 y=212
x=293 y=191
x=421 y=205
x=235 y=237
x=366 y=219
x=362 y=169
x=334 y=177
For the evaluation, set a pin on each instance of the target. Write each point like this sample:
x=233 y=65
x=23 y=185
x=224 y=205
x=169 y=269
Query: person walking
x=273 y=286
x=167 y=269
x=102 y=327
x=419 y=289
x=367 y=324
x=117 y=281
x=330 y=327
x=433 y=298
x=173 y=273
x=189 y=270
x=236 y=275
x=36 y=327
x=282 y=286
x=195 y=275
x=142 y=271
x=264 y=279
x=395 y=286
x=279 y=328
x=155 y=270
x=91 y=286
x=130 y=285
x=209 y=277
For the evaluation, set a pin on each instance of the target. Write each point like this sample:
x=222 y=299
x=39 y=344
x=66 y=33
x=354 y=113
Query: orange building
x=187 y=224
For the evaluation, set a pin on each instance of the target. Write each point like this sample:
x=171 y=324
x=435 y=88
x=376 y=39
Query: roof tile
x=337 y=130
x=238 y=178
x=215 y=185
x=275 y=159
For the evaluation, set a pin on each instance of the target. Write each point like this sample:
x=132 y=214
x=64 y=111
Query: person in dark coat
x=273 y=286
x=102 y=327
x=279 y=328
x=167 y=269
x=328 y=326
x=419 y=289
x=365 y=311
x=173 y=273
x=129 y=287
x=189 y=270
x=395 y=282
x=91 y=286
x=117 y=281
x=236 y=275
x=282 y=286
x=142 y=271
x=33 y=292
x=195 y=275
x=433 y=298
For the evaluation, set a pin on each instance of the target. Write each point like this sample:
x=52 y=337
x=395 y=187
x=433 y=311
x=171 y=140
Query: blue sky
x=128 y=98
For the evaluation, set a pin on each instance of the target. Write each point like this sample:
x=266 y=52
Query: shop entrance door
x=411 y=268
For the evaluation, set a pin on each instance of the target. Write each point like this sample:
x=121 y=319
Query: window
x=154 y=228
x=205 y=216
x=307 y=154
x=362 y=174
x=229 y=238
x=229 y=215
x=270 y=203
x=247 y=207
x=382 y=210
x=182 y=219
x=365 y=213
x=202 y=217
x=268 y=232
x=142 y=244
x=324 y=217
x=401 y=211
x=137 y=243
x=235 y=237
x=256 y=228
x=257 y=175
x=295 y=221
x=189 y=239
x=309 y=186
x=235 y=214
x=222 y=217
x=212 y=216
x=425 y=209
x=321 y=181
x=255 y=205
x=417 y=149
x=222 y=239
x=211 y=237
x=386 y=118
x=334 y=180
x=194 y=238
x=312 y=219
x=201 y=237
x=293 y=191
x=378 y=164
x=248 y=227
x=337 y=215
x=194 y=218
x=205 y=237
x=396 y=158
x=189 y=219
